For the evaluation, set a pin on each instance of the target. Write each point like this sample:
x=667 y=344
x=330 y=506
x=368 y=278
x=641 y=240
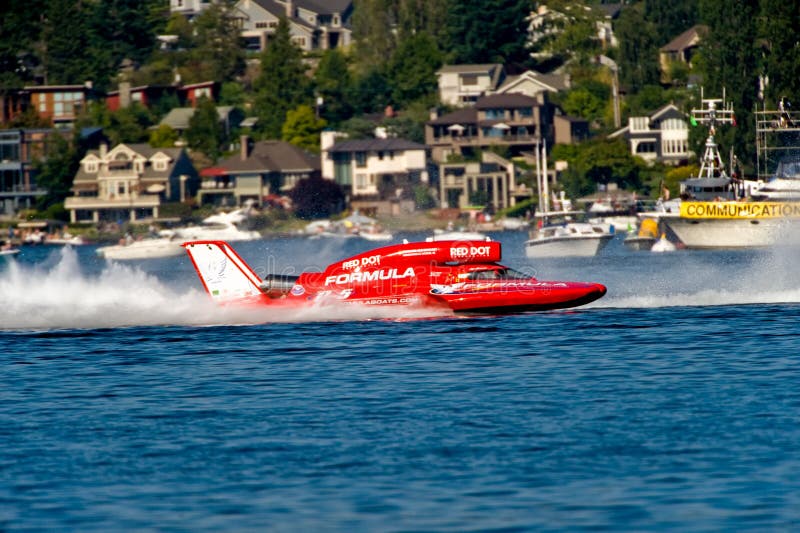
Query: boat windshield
x=497 y=273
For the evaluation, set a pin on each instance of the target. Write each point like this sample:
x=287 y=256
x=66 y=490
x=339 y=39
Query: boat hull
x=733 y=233
x=568 y=246
x=146 y=249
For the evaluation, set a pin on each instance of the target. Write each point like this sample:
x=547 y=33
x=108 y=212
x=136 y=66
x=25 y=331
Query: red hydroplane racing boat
x=462 y=276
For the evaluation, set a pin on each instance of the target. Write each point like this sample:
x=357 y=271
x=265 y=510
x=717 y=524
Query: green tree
x=370 y=92
x=205 y=133
x=218 y=52
x=581 y=102
x=163 y=137
x=412 y=69
x=670 y=19
x=489 y=31
x=333 y=83
x=317 y=197
x=372 y=33
x=638 y=49
x=779 y=25
x=65 y=39
x=120 y=29
x=282 y=84
x=302 y=128
x=732 y=65
x=55 y=172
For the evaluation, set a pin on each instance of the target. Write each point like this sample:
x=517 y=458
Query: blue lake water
x=129 y=402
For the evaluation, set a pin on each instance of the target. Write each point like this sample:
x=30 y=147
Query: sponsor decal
x=461 y=252
x=383 y=301
x=372 y=260
x=740 y=210
x=364 y=277
x=215 y=269
x=298 y=290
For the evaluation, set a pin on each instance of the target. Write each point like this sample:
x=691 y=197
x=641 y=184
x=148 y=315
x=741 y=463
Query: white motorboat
x=219 y=227
x=9 y=252
x=571 y=239
x=143 y=249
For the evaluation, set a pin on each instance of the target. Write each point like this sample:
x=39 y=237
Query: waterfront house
x=259 y=169
x=510 y=122
x=130 y=182
x=19 y=148
x=380 y=175
x=490 y=182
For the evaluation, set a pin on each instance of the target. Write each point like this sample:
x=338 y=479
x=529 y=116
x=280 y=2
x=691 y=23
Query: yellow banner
x=740 y=210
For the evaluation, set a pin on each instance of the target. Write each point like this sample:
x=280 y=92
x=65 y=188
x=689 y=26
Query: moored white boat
x=572 y=239
x=143 y=249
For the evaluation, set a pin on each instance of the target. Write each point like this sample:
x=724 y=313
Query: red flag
x=733 y=119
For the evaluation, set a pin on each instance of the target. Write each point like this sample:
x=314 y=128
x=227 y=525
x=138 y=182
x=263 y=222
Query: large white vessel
x=722 y=212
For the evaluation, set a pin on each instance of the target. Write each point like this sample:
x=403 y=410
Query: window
x=361 y=159
x=262 y=25
x=361 y=181
x=469 y=79
x=495 y=113
x=91 y=167
x=160 y=165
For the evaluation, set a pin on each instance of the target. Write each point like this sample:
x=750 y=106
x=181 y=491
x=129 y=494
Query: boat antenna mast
x=714 y=111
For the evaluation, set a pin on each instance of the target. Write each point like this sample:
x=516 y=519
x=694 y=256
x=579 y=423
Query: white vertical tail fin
x=225 y=275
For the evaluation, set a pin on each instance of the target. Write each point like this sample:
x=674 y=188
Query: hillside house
x=378 y=175
x=313 y=25
x=130 y=183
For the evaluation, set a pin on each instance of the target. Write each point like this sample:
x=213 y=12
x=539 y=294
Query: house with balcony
x=59 y=104
x=662 y=136
x=259 y=170
x=489 y=182
x=379 y=176
x=19 y=148
x=462 y=85
x=511 y=122
x=313 y=25
x=129 y=183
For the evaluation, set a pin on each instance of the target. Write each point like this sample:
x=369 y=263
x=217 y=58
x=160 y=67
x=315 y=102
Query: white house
x=312 y=25
x=130 y=182
x=375 y=173
x=462 y=85
x=662 y=136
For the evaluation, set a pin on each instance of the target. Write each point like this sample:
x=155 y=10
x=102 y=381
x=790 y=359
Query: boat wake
x=64 y=296
x=768 y=276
